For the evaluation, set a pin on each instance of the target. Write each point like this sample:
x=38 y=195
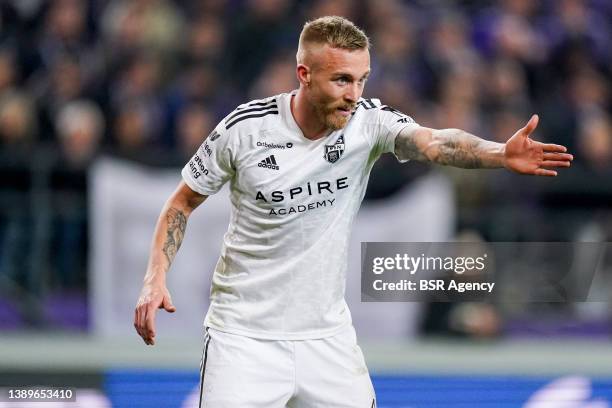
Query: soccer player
x=278 y=331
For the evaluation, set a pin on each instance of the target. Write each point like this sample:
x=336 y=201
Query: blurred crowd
x=147 y=80
x=156 y=75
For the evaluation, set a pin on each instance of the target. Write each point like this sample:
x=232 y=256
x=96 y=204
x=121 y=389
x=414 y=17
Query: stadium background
x=101 y=102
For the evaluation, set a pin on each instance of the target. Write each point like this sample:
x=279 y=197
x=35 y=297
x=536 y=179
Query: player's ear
x=303 y=74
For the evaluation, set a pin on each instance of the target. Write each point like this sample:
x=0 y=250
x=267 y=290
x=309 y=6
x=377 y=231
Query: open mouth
x=344 y=111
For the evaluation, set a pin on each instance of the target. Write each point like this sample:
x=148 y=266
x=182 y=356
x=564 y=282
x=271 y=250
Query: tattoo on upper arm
x=406 y=147
x=177 y=223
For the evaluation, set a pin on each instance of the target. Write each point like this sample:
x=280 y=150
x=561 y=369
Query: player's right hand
x=152 y=297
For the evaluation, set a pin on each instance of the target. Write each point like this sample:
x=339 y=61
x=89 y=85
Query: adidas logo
x=269 y=163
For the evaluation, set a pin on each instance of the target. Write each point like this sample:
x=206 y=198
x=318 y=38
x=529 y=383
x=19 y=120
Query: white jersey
x=282 y=270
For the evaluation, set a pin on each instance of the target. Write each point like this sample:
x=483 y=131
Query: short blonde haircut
x=337 y=32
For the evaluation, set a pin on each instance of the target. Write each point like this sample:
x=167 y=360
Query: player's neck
x=306 y=118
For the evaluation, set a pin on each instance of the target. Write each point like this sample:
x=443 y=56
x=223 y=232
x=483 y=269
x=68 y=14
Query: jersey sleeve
x=385 y=123
x=212 y=165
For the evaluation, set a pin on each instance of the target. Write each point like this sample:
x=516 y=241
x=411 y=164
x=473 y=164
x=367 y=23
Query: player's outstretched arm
x=455 y=147
x=167 y=239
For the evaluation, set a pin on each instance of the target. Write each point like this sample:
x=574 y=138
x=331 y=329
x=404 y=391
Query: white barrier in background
x=125 y=201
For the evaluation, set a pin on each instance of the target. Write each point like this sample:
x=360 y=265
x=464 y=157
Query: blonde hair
x=337 y=32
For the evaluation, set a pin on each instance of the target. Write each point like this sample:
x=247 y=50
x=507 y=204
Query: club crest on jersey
x=334 y=152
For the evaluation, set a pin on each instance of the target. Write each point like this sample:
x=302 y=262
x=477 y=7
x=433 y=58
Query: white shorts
x=244 y=372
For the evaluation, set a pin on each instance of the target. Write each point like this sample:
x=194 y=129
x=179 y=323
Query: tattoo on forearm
x=452 y=147
x=177 y=223
x=461 y=152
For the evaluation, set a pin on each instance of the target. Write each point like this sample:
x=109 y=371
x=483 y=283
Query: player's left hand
x=527 y=156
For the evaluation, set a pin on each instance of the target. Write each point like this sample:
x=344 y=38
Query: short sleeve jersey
x=282 y=270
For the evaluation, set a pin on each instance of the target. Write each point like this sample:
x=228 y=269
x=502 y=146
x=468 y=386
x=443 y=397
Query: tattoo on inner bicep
x=177 y=223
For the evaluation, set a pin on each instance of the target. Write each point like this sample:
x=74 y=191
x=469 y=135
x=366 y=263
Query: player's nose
x=352 y=94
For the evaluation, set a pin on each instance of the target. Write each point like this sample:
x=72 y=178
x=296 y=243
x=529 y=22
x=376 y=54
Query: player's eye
x=342 y=81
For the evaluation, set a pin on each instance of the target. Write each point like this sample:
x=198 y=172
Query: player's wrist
x=155 y=279
x=503 y=159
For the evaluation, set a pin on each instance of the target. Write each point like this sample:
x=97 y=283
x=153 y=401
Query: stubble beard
x=330 y=118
